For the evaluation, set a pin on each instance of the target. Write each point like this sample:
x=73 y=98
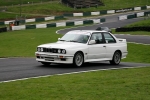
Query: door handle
x=104 y=46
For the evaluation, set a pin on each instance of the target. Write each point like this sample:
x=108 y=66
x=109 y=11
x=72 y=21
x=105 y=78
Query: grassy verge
x=9 y=16
x=145 y=22
x=25 y=41
x=138 y=53
x=17 y=2
x=125 y=84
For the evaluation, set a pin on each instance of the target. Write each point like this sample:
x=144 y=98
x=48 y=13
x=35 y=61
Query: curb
x=60 y=24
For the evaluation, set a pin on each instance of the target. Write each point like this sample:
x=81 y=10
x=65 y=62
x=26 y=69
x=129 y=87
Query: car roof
x=86 y=32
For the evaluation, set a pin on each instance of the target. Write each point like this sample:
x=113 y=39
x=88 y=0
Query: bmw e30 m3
x=80 y=46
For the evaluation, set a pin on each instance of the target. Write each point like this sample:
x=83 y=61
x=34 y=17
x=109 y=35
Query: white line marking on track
x=70 y=73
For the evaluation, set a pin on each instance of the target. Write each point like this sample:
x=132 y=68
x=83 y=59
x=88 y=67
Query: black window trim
x=110 y=35
x=103 y=39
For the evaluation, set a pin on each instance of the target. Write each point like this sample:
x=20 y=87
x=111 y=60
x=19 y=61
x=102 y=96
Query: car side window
x=109 y=38
x=97 y=37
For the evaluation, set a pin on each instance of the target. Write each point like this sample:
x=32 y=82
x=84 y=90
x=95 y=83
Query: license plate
x=49 y=58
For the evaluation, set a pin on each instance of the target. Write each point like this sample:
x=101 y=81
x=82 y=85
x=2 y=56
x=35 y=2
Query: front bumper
x=54 y=58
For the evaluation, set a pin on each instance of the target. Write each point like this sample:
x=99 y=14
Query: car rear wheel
x=116 y=58
x=78 y=59
x=46 y=63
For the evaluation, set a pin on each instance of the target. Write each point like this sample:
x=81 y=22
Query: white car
x=80 y=46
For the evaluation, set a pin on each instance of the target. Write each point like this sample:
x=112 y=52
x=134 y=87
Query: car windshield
x=79 y=38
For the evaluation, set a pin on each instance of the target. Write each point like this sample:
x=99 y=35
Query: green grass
x=23 y=43
x=7 y=16
x=124 y=84
x=12 y=16
x=138 y=53
x=16 y=2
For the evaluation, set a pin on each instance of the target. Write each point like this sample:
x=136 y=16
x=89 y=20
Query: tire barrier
x=73 y=23
x=128 y=29
x=3 y=29
x=134 y=15
x=33 y=20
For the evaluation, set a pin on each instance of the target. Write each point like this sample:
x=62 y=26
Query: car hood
x=62 y=45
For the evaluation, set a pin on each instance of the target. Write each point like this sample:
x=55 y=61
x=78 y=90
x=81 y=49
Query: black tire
x=116 y=58
x=78 y=59
x=46 y=63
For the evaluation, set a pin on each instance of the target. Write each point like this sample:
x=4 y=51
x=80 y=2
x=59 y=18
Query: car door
x=111 y=45
x=97 y=50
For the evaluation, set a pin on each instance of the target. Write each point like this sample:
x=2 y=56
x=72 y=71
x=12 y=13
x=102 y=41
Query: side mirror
x=92 y=42
x=58 y=39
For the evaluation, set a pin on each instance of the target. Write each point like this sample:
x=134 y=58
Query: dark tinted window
x=97 y=37
x=108 y=38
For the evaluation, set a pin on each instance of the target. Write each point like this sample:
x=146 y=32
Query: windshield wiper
x=72 y=41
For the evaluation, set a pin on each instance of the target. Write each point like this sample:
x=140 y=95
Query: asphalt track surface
x=19 y=68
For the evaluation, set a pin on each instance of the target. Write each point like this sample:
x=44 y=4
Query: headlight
x=42 y=49
x=59 y=51
x=63 y=51
x=38 y=49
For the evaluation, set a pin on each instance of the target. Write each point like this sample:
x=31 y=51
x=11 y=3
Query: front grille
x=52 y=50
x=47 y=50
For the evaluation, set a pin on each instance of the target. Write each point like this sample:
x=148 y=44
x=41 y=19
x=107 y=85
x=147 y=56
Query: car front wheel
x=116 y=58
x=78 y=59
